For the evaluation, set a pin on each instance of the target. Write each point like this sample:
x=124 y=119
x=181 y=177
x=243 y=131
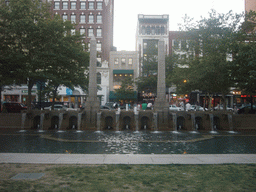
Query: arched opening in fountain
x=216 y=123
x=73 y=123
x=126 y=123
x=198 y=123
x=180 y=123
x=144 y=123
x=109 y=123
x=55 y=122
x=36 y=122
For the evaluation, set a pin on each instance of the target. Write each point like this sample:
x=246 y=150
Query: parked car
x=197 y=108
x=105 y=107
x=60 y=107
x=174 y=108
x=14 y=107
x=221 y=108
x=246 y=109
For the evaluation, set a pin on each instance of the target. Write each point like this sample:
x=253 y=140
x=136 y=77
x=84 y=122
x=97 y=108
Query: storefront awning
x=122 y=71
x=112 y=95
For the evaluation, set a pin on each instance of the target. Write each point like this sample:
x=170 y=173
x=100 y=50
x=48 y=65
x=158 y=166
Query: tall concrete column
x=161 y=103
x=93 y=71
x=92 y=105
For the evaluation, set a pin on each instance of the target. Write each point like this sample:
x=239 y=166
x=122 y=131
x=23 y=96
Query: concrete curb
x=46 y=158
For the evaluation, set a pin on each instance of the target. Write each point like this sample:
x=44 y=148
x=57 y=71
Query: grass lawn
x=62 y=178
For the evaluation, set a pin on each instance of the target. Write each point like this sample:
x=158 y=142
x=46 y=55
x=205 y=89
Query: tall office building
x=92 y=17
x=151 y=28
x=250 y=5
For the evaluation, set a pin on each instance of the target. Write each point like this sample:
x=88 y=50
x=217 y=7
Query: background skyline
x=126 y=14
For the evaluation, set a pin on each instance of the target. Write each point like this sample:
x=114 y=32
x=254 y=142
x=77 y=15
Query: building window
x=90 y=32
x=73 y=5
x=123 y=61
x=56 y=5
x=98 y=47
x=162 y=30
x=91 y=19
x=64 y=17
x=99 y=5
x=73 y=31
x=130 y=61
x=116 y=61
x=73 y=18
x=82 y=18
x=99 y=18
x=98 y=61
x=82 y=5
x=89 y=46
x=98 y=78
x=82 y=31
x=64 y=5
x=99 y=32
x=91 y=5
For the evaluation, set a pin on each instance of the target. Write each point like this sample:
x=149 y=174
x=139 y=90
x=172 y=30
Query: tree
x=41 y=45
x=243 y=68
x=125 y=92
x=64 y=57
x=211 y=40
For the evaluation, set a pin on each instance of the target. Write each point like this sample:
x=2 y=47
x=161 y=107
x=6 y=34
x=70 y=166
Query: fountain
x=174 y=118
x=60 y=119
x=230 y=122
x=213 y=126
x=136 y=119
x=41 y=122
x=194 y=124
x=98 y=120
x=117 y=119
x=155 y=122
x=23 y=119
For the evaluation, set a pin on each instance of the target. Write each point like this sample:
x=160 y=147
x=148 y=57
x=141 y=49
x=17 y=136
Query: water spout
x=136 y=115
x=98 y=121
x=117 y=119
x=155 y=119
x=23 y=119
x=174 y=118
x=60 y=120
x=230 y=122
x=41 y=121
x=79 y=120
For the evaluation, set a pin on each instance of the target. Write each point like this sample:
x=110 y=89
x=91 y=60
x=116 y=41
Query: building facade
x=122 y=64
x=250 y=5
x=151 y=28
x=92 y=18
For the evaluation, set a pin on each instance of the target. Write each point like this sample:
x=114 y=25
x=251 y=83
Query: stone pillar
x=161 y=105
x=92 y=105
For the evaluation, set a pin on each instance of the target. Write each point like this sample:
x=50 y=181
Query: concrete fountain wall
x=141 y=120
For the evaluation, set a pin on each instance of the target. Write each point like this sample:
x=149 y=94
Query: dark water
x=89 y=142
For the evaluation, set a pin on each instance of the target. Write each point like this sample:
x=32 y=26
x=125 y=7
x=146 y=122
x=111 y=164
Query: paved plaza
x=40 y=158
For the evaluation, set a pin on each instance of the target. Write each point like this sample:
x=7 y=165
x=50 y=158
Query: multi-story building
x=250 y=5
x=150 y=28
x=122 y=64
x=92 y=18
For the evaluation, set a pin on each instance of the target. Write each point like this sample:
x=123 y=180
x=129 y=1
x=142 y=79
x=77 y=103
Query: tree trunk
x=224 y=102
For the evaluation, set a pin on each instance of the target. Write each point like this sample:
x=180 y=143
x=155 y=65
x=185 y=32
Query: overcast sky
x=126 y=14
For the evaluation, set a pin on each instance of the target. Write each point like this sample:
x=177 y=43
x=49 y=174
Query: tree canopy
x=40 y=46
x=208 y=53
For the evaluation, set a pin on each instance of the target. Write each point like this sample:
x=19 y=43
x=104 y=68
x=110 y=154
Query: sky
x=126 y=14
